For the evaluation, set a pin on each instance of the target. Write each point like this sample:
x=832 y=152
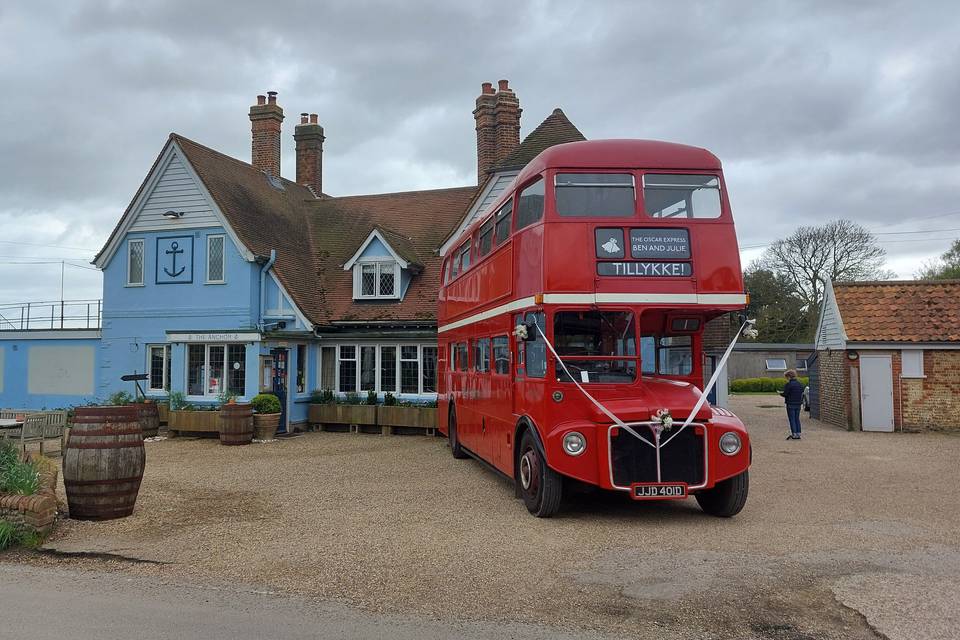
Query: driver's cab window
x=666 y=355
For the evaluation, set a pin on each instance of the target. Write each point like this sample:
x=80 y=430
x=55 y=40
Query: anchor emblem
x=174 y=250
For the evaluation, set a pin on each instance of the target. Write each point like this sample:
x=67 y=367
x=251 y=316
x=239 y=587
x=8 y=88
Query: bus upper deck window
x=672 y=195
x=503 y=218
x=530 y=205
x=485 y=238
x=595 y=195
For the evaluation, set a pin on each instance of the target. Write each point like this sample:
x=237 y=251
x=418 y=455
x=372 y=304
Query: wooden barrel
x=236 y=424
x=149 y=418
x=103 y=462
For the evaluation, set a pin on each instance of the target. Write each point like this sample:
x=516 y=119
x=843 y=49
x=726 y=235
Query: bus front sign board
x=648 y=269
x=660 y=244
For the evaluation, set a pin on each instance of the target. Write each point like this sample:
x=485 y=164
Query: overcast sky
x=818 y=110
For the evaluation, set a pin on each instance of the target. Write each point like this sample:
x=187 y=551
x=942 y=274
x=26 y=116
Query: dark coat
x=793 y=393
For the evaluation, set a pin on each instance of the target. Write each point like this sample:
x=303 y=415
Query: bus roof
x=621 y=154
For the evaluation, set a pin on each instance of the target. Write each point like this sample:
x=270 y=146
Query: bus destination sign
x=660 y=244
x=648 y=269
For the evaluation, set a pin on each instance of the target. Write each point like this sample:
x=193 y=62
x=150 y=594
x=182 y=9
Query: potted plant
x=266 y=416
x=186 y=418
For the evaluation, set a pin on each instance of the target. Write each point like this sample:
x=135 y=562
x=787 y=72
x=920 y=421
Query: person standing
x=793 y=397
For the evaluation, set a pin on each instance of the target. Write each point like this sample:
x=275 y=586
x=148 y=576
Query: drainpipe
x=263 y=284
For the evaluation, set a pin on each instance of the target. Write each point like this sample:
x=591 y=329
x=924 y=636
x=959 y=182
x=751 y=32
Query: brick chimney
x=486 y=131
x=507 y=112
x=265 y=119
x=309 y=137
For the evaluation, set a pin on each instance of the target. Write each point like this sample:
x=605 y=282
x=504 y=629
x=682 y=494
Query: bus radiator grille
x=635 y=461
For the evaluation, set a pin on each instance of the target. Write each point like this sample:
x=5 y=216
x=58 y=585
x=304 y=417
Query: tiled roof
x=314 y=238
x=900 y=311
x=418 y=222
x=556 y=129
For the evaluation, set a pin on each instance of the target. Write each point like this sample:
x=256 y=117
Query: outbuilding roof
x=556 y=129
x=913 y=311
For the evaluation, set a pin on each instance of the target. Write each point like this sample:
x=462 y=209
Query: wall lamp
x=173 y=215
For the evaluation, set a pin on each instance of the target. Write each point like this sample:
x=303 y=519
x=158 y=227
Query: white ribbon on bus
x=746 y=327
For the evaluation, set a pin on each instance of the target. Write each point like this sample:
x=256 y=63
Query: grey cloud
x=819 y=110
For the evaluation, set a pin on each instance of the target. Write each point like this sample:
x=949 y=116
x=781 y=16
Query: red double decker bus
x=571 y=322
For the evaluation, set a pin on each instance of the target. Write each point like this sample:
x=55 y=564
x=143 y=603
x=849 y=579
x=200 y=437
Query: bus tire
x=727 y=498
x=540 y=486
x=455 y=447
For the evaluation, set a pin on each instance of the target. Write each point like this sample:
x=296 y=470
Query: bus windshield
x=596 y=346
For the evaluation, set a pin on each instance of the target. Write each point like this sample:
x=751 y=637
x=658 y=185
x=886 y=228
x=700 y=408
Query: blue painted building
x=223 y=278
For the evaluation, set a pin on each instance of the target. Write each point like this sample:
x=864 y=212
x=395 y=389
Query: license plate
x=658 y=490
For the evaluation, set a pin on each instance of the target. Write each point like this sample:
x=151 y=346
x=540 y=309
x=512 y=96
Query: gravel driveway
x=844 y=534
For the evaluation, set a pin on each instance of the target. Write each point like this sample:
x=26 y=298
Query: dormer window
x=383 y=266
x=376 y=280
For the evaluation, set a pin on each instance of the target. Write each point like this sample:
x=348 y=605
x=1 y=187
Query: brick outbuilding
x=889 y=355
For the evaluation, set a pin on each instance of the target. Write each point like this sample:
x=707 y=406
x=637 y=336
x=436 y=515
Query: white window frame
x=143 y=261
x=223 y=259
x=767 y=361
x=379 y=266
x=912 y=366
x=805 y=362
x=305 y=363
x=379 y=360
x=206 y=369
x=166 y=360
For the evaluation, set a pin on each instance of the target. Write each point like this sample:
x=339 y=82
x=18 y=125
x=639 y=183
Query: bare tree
x=839 y=250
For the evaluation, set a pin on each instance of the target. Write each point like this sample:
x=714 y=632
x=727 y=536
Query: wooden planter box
x=164 y=410
x=180 y=422
x=407 y=417
x=354 y=415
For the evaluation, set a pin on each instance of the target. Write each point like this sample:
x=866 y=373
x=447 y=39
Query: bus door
x=530 y=369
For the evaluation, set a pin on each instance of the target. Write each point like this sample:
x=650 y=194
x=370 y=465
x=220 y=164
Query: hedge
x=760 y=385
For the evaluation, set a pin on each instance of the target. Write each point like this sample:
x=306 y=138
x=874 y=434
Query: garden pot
x=265 y=425
x=236 y=424
x=149 y=418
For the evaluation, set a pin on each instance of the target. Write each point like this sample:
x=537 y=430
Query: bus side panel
x=528 y=258
x=443 y=382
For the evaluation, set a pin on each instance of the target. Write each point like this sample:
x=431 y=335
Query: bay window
x=384 y=368
x=215 y=369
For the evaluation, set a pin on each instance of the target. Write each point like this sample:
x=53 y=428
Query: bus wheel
x=727 y=498
x=455 y=447
x=540 y=486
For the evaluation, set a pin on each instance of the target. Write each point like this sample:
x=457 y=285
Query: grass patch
x=16 y=475
x=10 y=536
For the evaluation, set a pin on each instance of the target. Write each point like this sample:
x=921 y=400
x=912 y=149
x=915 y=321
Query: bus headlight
x=730 y=443
x=574 y=443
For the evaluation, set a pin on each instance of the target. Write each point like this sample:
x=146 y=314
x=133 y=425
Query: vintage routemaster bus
x=570 y=327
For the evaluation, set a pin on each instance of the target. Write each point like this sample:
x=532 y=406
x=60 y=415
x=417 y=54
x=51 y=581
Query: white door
x=876 y=393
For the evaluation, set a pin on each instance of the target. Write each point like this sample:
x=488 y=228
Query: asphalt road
x=46 y=604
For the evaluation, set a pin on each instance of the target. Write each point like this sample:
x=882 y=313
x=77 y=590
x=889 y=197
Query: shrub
x=389 y=400
x=226 y=397
x=351 y=397
x=322 y=396
x=761 y=385
x=120 y=398
x=8 y=534
x=177 y=401
x=17 y=476
x=266 y=403
x=372 y=398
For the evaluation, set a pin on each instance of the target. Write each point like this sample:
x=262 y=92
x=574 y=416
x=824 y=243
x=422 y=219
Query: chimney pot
x=487 y=88
x=303 y=118
x=261 y=99
x=272 y=97
x=313 y=118
x=504 y=85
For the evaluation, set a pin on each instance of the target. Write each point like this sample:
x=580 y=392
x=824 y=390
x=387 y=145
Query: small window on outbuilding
x=912 y=363
x=776 y=364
